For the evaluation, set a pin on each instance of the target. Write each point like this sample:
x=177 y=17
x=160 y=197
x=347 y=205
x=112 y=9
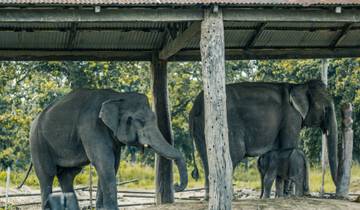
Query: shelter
x=180 y=30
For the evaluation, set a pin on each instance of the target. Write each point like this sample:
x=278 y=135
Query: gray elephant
x=268 y=116
x=91 y=126
x=288 y=167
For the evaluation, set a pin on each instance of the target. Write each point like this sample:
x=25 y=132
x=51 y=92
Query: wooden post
x=324 y=157
x=164 y=176
x=7 y=187
x=216 y=129
x=344 y=172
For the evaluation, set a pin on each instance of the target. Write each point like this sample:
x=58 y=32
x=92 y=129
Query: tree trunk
x=344 y=170
x=164 y=174
x=216 y=128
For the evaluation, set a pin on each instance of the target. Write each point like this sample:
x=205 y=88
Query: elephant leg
x=104 y=165
x=288 y=187
x=206 y=172
x=99 y=196
x=201 y=148
x=279 y=183
x=46 y=178
x=46 y=183
x=268 y=182
x=66 y=178
x=299 y=187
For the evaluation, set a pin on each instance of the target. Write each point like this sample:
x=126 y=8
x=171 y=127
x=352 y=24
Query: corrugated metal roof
x=183 y=2
x=97 y=38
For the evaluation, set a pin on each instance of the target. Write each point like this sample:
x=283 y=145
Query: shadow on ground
x=270 y=204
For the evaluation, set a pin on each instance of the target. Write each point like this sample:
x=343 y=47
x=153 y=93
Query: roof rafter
x=259 y=29
x=72 y=36
x=180 y=41
x=341 y=35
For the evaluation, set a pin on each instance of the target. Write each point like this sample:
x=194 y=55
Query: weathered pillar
x=216 y=129
x=324 y=157
x=344 y=170
x=164 y=176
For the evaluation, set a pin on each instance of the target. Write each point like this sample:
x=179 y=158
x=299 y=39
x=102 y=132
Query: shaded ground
x=270 y=204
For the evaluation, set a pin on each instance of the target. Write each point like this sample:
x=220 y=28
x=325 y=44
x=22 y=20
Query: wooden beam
x=183 y=55
x=291 y=15
x=72 y=36
x=180 y=41
x=212 y=49
x=341 y=35
x=175 y=15
x=106 y=15
x=273 y=53
x=75 y=55
x=164 y=174
x=259 y=29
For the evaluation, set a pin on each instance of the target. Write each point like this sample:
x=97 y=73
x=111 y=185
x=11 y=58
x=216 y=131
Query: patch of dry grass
x=242 y=178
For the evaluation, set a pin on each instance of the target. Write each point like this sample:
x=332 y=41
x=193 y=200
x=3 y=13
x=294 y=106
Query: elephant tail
x=26 y=176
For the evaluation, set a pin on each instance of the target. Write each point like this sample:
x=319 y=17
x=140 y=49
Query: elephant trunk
x=157 y=142
x=332 y=141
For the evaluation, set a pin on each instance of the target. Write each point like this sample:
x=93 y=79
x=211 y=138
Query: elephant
x=90 y=126
x=265 y=116
x=287 y=167
x=62 y=201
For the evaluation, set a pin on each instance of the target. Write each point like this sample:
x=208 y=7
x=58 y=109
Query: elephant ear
x=298 y=98
x=109 y=114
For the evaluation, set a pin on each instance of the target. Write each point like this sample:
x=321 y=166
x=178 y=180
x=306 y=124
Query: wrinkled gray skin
x=288 y=166
x=91 y=126
x=269 y=116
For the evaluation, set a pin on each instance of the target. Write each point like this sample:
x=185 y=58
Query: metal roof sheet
x=182 y=2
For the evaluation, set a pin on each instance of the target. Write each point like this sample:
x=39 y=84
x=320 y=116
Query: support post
x=324 y=157
x=8 y=170
x=216 y=129
x=344 y=171
x=164 y=175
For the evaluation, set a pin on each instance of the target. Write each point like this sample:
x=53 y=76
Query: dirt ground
x=269 y=204
x=246 y=199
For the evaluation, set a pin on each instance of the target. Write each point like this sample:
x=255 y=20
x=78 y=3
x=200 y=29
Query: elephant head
x=317 y=109
x=132 y=122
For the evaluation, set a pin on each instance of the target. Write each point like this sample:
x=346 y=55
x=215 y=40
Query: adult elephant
x=90 y=126
x=269 y=116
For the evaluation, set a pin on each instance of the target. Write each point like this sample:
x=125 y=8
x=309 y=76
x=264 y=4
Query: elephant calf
x=288 y=167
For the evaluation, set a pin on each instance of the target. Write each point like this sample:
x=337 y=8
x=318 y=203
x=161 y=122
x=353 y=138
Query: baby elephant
x=288 y=167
